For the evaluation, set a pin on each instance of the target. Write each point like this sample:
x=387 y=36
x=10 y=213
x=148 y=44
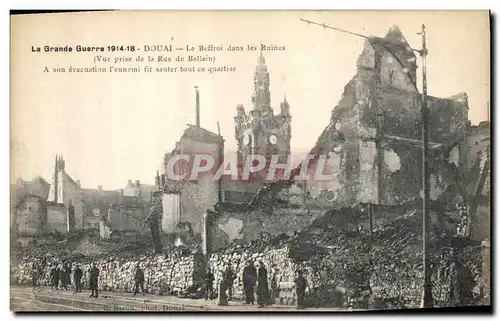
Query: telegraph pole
x=427 y=301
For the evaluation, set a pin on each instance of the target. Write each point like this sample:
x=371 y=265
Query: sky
x=112 y=127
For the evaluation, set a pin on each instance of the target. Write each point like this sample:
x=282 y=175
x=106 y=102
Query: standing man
x=228 y=278
x=55 y=274
x=249 y=280
x=209 y=283
x=222 y=293
x=94 y=280
x=41 y=271
x=139 y=279
x=65 y=276
x=77 y=276
x=262 y=287
x=52 y=277
x=275 y=291
x=34 y=274
x=300 y=289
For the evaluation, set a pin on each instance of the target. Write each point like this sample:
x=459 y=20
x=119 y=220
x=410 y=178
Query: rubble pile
x=164 y=274
x=391 y=273
x=275 y=259
x=340 y=267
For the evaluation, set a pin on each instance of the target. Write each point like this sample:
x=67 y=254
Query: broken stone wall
x=56 y=218
x=400 y=179
x=389 y=173
x=171 y=212
x=344 y=276
x=273 y=258
x=198 y=194
x=31 y=216
x=373 y=140
x=104 y=230
x=244 y=227
x=126 y=217
x=163 y=275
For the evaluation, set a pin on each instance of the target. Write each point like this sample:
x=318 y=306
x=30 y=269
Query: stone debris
x=337 y=266
x=163 y=275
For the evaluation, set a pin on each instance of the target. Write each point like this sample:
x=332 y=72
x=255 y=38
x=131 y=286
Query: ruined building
x=478 y=180
x=63 y=206
x=138 y=190
x=260 y=132
x=373 y=151
x=21 y=189
x=64 y=191
x=186 y=198
x=373 y=140
x=31 y=216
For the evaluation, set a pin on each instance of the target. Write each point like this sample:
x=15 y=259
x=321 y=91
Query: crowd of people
x=60 y=278
x=255 y=281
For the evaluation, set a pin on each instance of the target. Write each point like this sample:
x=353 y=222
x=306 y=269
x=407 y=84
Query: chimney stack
x=162 y=180
x=197 y=107
x=99 y=187
x=157 y=178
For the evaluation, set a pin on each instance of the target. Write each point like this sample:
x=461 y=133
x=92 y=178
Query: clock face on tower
x=273 y=139
x=246 y=140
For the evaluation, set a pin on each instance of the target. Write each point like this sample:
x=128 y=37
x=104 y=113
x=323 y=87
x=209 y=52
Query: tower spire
x=261 y=96
x=262 y=60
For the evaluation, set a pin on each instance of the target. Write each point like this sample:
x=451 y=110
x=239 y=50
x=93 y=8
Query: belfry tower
x=260 y=132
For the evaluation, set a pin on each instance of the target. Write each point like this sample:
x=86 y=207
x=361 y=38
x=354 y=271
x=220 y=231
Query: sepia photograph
x=250 y=161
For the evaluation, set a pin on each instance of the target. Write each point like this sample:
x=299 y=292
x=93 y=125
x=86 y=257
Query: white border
x=185 y=4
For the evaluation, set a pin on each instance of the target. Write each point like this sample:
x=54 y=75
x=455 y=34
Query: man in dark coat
x=139 y=279
x=34 y=274
x=54 y=277
x=300 y=289
x=249 y=280
x=65 y=276
x=77 y=276
x=222 y=293
x=41 y=271
x=275 y=291
x=263 y=297
x=228 y=278
x=94 y=280
x=209 y=283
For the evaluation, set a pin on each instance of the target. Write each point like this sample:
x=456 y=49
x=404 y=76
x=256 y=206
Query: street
x=24 y=299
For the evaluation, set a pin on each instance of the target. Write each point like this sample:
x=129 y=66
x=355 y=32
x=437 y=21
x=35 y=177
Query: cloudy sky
x=115 y=126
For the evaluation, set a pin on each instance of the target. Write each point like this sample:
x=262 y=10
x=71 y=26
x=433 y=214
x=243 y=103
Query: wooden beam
x=418 y=142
